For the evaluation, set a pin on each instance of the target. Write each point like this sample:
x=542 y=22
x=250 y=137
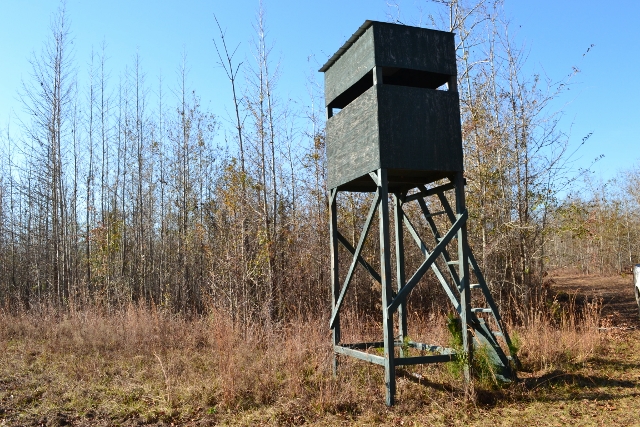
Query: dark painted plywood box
x=386 y=82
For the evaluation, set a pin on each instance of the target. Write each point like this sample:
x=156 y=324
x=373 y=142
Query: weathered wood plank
x=463 y=273
x=352 y=140
x=354 y=63
x=397 y=128
x=403 y=46
x=419 y=129
x=480 y=277
x=430 y=192
x=431 y=348
x=389 y=45
x=372 y=358
x=385 y=274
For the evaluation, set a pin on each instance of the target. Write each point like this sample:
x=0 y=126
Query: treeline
x=125 y=190
x=598 y=230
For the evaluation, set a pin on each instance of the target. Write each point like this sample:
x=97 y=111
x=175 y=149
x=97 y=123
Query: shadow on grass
x=555 y=386
x=558 y=386
x=423 y=381
x=561 y=378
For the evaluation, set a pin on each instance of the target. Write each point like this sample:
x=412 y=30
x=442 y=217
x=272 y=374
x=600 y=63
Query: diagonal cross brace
x=374 y=274
x=406 y=289
x=430 y=192
x=356 y=255
x=436 y=270
x=436 y=235
x=483 y=284
x=479 y=275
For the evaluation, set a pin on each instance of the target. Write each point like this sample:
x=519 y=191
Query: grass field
x=146 y=368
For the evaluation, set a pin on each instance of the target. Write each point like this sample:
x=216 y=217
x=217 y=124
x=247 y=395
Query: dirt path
x=619 y=304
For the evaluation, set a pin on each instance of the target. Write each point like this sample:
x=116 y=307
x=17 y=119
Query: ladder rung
x=481 y=310
x=497 y=333
x=474 y=286
x=435 y=214
x=452 y=262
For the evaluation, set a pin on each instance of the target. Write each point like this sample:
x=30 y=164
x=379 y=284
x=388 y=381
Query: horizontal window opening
x=357 y=89
x=390 y=76
x=414 y=78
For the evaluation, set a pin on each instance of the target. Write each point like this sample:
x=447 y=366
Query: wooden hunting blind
x=393 y=128
x=384 y=82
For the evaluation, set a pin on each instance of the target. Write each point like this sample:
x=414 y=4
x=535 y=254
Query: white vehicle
x=636 y=282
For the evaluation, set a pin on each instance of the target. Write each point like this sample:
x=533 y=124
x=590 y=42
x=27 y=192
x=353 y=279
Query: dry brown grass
x=148 y=367
x=151 y=366
x=560 y=335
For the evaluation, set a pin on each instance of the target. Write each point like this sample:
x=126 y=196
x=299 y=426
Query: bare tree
x=47 y=99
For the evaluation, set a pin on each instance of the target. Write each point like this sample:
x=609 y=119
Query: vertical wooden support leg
x=400 y=274
x=465 y=294
x=335 y=278
x=387 y=296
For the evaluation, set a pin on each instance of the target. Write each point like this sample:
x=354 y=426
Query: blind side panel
x=352 y=140
x=414 y=48
x=357 y=61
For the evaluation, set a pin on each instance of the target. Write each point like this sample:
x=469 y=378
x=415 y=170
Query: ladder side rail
x=436 y=234
x=491 y=302
x=483 y=284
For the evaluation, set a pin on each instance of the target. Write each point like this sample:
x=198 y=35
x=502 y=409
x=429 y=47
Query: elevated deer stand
x=397 y=133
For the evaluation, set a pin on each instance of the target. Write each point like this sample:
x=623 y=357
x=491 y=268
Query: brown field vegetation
x=148 y=367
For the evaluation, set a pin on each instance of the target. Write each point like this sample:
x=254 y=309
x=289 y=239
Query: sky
x=603 y=100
